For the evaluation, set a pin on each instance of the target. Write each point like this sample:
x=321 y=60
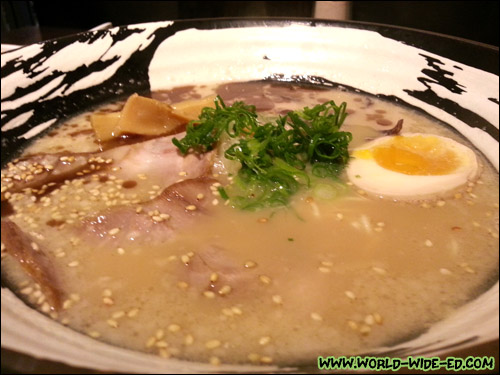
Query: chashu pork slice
x=157 y=157
x=178 y=207
x=33 y=259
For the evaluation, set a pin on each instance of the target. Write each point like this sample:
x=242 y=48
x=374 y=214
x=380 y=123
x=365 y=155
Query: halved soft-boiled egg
x=411 y=165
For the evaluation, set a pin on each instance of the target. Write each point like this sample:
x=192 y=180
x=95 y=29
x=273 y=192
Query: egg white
x=369 y=176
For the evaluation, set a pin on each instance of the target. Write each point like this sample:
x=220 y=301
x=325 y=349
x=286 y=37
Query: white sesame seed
x=189 y=340
x=352 y=325
x=94 y=334
x=108 y=301
x=164 y=353
x=151 y=341
x=214 y=361
x=209 y=294
x=428 y=243
x=440 y=203
x=227 y=311
x=26 y=291
x=214 y=277
x=212 y=344
x=324 y=269
x=378 y=318
x=264 y=340
x=174 y=328
x=37 y=293
x=253 y=357
x=236 y=310
x=200 y=196
x=445 y=271
x=182 y=173
x=112 y=323
x=114 y=231
x=185 y=259
x=250 y=264
x=365 y=329
x=379 y=270
x=161 y=344
x=120 y=251
x=468 y=269
x=350 y=294
x=265 y=279
x=67 y=304
x=159 y=334
x=370 y=319
x=74 y=263
x=266 y=359
x=316 y=317
x=191 y=207
x=107 y=293
x=118 y=314
x=226 y=289
x=277 y=299
x=133 y=313
x=215 y=202
x=35 y=246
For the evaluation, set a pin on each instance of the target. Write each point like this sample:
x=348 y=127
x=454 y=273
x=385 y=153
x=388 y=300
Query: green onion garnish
x=277 y=158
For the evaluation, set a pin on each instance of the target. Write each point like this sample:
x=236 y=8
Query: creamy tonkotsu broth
x=326 y=276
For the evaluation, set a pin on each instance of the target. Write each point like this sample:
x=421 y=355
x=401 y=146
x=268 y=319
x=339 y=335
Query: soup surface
x=340 y=271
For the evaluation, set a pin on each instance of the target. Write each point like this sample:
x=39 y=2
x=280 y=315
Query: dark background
x=30 y=21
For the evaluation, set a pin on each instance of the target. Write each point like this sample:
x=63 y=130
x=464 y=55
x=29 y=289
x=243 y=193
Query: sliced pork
x=156 y=220
x=156 y=157
x=33 y=259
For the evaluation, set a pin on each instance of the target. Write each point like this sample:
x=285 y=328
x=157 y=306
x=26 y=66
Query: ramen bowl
x=452 y=80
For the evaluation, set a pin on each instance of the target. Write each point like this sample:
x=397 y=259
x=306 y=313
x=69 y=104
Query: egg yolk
x=418 y=155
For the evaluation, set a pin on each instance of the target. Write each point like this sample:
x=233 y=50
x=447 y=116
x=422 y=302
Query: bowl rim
x=388 y=30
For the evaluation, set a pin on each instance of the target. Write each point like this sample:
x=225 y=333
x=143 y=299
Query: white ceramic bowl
x=450 y=79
